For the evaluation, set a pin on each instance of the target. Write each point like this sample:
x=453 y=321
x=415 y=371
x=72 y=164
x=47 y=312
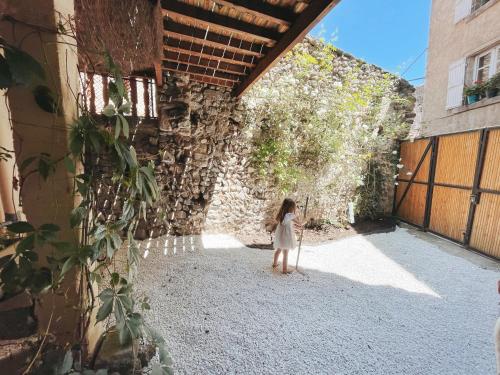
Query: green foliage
x=18 y=68
x=93 y=255
x=475 y=89
x=318 y=133
x=493 y=82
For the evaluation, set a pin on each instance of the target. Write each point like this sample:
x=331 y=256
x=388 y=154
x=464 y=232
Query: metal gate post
x=430 y=182
x=476 y=194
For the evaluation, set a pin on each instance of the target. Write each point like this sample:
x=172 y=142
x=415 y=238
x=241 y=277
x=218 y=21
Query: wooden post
x=301 y=234
x=133 y=96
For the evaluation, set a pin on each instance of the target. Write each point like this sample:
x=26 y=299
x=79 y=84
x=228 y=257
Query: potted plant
x=492 y=87
x=474 y=92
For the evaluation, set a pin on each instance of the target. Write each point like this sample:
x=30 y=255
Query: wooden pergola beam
x=279 y=15
x=204 y=79
x=209 y=52
x=212 y=39
x=201 y=71
x=202 y=62
x=196 y=15
x=314 y=12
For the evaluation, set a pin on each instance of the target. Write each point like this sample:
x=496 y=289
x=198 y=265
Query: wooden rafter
x=263 y=10
x=199 y=61
x=209 y=52
x=176 y=9
x=201 y=71
x=212 y=39
x=204 y=79
x=232 y=43
x=314 y=12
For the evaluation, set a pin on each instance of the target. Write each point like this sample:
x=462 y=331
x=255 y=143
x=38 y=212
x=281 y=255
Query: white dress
x=284 y=237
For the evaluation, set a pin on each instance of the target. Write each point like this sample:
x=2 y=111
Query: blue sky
x=387 y=33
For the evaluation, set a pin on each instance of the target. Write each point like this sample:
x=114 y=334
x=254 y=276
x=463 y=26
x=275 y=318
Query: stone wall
x=244 y=201
x=203 y=160
x=197 y=126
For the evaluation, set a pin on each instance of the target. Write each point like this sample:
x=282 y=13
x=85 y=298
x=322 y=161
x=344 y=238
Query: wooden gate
x=450 y=185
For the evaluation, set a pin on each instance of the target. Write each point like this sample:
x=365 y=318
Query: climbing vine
x=327 y=133
x=92 y=256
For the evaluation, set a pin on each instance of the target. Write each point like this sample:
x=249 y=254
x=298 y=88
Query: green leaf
x=125 y=126
x=24 y=68
x=115 y=97
x=109 y=110
x=30 y=255
x=104 y=310
x=70 y=165
x=45 y=99
x=26 y=163
x=20 y=227
x=77 y=215
x=76 y=139
x=118 y=127
x=67 y=362
x=125 y=107
x=26 y=243
x=5 y=75
x=106 y=294
x=49 y=227
x=69 y=264
x=124 y=335
x=115 y=278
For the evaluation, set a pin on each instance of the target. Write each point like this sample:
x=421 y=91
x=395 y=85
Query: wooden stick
x=301 y=234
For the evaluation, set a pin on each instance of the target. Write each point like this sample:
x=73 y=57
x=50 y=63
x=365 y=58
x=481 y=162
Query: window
x=476 y=4
x=487 y=64
x=497 y=65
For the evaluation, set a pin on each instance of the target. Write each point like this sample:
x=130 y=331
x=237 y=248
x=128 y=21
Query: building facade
x=464 y=49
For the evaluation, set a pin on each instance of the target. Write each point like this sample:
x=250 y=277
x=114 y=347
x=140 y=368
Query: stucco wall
x=448 y=43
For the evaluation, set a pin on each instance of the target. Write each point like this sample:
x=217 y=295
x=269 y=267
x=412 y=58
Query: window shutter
x=462 y=9
x=456 y=80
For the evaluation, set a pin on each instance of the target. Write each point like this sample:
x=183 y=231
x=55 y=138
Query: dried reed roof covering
x=233 y=42
x=130 y=30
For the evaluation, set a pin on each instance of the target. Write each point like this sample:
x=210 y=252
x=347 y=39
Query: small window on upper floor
x=487 y=64
x=476 y=4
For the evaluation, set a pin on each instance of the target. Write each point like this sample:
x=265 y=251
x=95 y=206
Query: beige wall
x=448 y=43
x=37 y=131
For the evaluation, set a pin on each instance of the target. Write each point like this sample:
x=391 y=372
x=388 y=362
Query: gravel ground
x=384 y=304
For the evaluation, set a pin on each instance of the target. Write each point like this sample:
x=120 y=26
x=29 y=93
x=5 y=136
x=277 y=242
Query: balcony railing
x=141 y=92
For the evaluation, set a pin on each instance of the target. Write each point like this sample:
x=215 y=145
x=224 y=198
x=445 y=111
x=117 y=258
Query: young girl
x=284 y=239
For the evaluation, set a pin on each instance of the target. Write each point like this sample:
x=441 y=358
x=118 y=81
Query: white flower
x=394 y=152
x=409 y=173
x=396 y=176
x=400 y=166
x=396 y=183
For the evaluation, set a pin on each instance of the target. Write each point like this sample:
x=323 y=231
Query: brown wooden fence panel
x=456 y=159
x=410 y=155
x=486 y=229
x=491 y=171
x=456 y=191
x=450 y=208
x=412 y=208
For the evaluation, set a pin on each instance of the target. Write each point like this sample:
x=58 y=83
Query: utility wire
x=414 y=62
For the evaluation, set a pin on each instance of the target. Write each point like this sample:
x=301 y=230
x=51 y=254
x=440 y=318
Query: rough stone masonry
x=198 y=124
x=203 y=160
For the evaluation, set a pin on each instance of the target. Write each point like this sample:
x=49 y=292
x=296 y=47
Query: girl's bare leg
x=276 y=256
x=285 y=261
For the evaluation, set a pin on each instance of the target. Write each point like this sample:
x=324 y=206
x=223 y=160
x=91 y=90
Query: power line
x=414 y=62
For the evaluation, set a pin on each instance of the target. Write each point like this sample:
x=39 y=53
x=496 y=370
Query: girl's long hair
x=288 y=206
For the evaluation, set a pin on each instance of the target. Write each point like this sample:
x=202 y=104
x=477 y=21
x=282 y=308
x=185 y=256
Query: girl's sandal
x=275 y=266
